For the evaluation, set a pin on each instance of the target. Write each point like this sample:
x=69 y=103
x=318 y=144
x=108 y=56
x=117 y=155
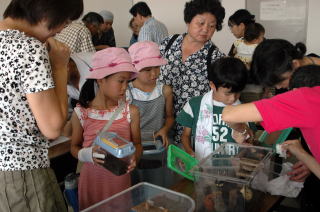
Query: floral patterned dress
x=187 y=78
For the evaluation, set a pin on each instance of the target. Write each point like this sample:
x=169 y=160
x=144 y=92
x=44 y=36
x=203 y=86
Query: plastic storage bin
x=145 y=197
x=118 y=152
x=223 y=179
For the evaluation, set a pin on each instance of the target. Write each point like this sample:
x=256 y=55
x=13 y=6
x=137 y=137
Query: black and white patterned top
x=24 y=68
x=189 y=78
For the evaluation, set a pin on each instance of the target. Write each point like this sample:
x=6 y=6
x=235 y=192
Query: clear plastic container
x=222 y=179
x=150 y=144
x=145 y=197
x=118 y=152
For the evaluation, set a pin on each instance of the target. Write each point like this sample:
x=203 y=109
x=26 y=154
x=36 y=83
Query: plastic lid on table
x=150 y=144
x=114 y=144
x=145 y=195
x=233 y=162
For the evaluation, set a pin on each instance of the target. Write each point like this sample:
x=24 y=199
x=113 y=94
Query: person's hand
x=246 y=136
x=163 y=134
x=59 y=53
x=294 y=147
x=132 y=164
x=191 y=152
x=300 y=172
x=97 y=153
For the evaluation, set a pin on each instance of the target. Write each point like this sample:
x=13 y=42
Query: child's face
x=260 y=38
x=224 y=95
x=114 y=86
x=149 y=75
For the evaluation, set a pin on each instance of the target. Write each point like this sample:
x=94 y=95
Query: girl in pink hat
x=154 y=99
x=100 y=97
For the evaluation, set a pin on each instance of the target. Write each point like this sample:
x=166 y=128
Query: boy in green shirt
x=201 y=115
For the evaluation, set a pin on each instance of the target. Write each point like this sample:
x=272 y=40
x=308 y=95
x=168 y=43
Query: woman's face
x=202 y=27
x=42 y=33
x=237 y=30
x=286 y=79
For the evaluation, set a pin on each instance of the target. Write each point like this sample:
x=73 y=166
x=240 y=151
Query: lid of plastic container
x=114 y=144
x=146 y=195
x=232 y=162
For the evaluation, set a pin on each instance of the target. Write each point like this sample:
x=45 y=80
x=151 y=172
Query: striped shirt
x=77 y=36
x=153 y=30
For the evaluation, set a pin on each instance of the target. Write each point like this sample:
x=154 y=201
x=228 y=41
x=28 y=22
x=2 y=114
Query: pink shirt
x=298 y=108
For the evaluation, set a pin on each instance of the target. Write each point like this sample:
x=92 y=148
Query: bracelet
x=244 y=132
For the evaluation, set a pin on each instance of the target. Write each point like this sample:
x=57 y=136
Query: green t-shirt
x=188 y=117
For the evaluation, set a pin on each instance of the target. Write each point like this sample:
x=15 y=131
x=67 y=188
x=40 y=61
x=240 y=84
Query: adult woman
x=33 y=101
x=237 y=23
x=274 y=62
x=186 y=71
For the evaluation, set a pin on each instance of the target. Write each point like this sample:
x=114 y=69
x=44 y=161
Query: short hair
x=197 y=7
x=241 y=16
x=305 y=76
x=140 y=8
x=93 y=18
x=253 y=31
x=57 y=12
x=272 y=58
x=228 y=72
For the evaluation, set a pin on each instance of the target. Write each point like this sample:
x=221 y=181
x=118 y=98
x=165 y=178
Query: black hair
x=57 y=12
x=93 y=18
x=272 y=58
x=197 y=7
x=228 y=72
x=241 y=16
x=253 y=31
x=87 y=93
x=305 y=76
x=140 y=8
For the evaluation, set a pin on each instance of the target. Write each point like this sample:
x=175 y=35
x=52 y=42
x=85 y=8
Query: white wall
x=313 y=29
x=170 y=12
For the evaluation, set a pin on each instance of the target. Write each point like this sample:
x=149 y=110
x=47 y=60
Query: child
x=244 y=47
x=78 y=69
x=111 y=71
x=201 y=116
x=154 y=99
x=238 y=23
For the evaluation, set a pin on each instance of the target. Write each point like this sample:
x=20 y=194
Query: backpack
x=174 y=37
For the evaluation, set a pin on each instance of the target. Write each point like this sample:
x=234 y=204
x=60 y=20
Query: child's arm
x=186 y=140
x=169 y=120
x=135 y=130
x=294 y=146
x=86 y=154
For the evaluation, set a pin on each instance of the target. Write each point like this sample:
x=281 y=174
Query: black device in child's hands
x=117 y=152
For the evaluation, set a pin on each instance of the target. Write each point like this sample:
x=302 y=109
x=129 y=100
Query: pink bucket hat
x=146 y=54
x=110 y=61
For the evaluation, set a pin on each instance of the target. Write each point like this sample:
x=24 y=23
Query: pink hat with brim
x=146 y=54
x=110 y=61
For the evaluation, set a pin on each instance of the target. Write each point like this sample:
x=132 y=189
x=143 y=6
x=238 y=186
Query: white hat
x=106 y=15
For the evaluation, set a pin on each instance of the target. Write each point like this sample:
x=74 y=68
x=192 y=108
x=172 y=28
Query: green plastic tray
x=181 y=162
x=282 y=137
